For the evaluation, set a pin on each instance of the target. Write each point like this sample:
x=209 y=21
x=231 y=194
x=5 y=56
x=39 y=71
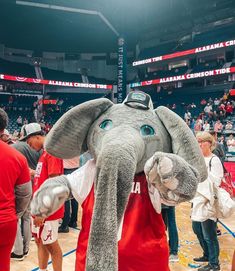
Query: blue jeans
x=207 y=236
x=168 y=214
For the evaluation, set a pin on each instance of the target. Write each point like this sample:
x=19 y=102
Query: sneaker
x=63 y=230
x=209 y=268
x=73 y=225
x=17 y=257
x=173 y=258
x=201 y=259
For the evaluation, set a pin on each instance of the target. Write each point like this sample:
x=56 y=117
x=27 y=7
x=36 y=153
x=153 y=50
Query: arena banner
x=182 y=77
x=185 y=53
x=25 y=91
x=53 y=82
x=121 y=77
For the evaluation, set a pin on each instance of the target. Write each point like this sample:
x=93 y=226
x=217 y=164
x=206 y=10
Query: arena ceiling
x=44 y=29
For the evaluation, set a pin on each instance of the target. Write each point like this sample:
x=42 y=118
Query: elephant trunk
x=116 y=167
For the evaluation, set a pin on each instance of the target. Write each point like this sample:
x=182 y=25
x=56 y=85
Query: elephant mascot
x=141 y=158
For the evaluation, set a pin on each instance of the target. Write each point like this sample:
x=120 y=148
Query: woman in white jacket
x=203 y=211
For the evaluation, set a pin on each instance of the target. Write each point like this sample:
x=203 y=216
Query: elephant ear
x=183 y=140
x=67 y=138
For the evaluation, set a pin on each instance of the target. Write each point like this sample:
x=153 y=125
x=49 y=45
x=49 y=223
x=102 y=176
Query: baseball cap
x=139 y=99
x=30 y=129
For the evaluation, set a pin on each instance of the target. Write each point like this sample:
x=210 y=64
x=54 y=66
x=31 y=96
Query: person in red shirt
x=15 y=194
x=218 y=126
x=45 y=231
x=229 y=109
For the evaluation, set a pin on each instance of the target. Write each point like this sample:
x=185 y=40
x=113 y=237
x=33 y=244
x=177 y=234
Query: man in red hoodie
x=15 y=194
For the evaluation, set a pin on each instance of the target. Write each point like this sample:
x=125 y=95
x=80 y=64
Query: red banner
x=185 y=53
x=53 y=82
x=232 y=92
x=182 y=77
x=48 y=101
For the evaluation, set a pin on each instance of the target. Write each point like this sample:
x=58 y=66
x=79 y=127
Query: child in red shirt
x=45 y=231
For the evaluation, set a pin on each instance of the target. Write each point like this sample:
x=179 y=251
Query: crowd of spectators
x=216 y=115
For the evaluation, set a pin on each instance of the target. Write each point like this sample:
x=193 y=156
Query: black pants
x=70 y=213
x=70 y=209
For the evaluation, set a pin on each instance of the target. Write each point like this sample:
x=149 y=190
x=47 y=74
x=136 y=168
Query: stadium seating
x=198 y=40
x=18 y=69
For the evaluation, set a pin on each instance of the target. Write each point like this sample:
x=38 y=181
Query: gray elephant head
x=121 y=138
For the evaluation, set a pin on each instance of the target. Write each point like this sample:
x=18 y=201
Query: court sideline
x=189 y=247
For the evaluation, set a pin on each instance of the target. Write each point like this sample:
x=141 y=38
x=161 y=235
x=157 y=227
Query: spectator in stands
x=228 y=109
x=223 y=143
x=6 y=137
x=45 y=231
x=47 y=127
x=218 y=150
x=222 y=107
x=36 y=115
x=229 y=125
x=42 y=123
x=15 y=194
x=218 y=126
x=233 y=103
x=187 y=116
x=203 y=102
x=206 y=126
x=210 y=100
x=192 y=124
x=197 y=126
x=208 y=109
x=15 y=135
x=193 y=105
x=231 y=143
x=25 y=121
x=225 y=96
x=35 y=104
x=19 y=121
x=221 y=115
x=60 y=102
x=216 y=103
x=10 y=100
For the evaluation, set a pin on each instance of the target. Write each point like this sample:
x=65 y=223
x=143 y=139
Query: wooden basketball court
x=189 y=247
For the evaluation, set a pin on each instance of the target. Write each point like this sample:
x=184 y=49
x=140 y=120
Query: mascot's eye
x=106 y=125
x=147 y=130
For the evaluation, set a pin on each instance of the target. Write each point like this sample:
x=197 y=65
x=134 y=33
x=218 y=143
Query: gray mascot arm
x=174 y=178
x=176 y=175
x=51 y=196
